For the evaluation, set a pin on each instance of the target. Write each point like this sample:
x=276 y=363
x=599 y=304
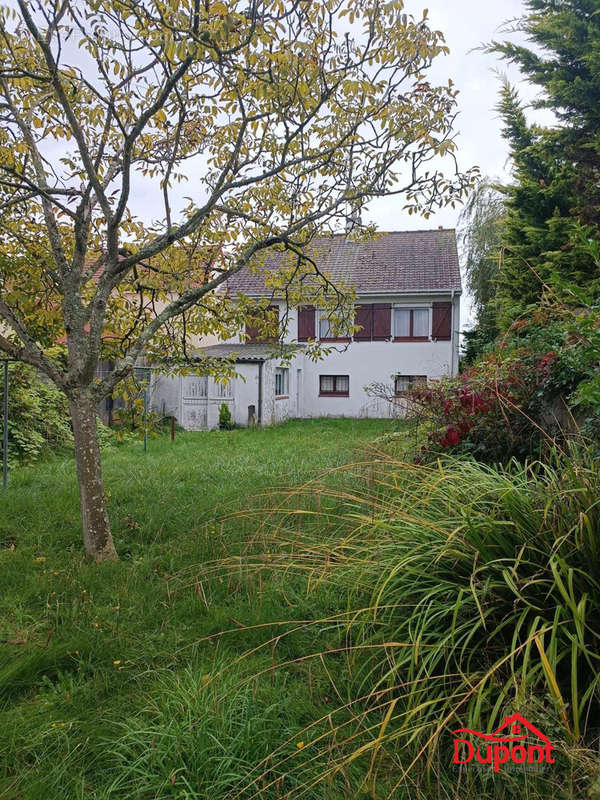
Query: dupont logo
x=516 y=741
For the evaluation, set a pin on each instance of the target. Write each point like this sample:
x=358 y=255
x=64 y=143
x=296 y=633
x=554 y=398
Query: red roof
x=397 y=261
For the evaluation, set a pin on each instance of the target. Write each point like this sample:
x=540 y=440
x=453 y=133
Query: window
x=223 y=389
x=334 y=328
x=402 y=383
x=335 y=385
x=197 y=387
x=282 y=382
x=411 y=323
x=324 y=328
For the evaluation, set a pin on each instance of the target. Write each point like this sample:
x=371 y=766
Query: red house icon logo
x=516 y=741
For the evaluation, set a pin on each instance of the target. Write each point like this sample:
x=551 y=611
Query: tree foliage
x=565 y=64
x=38 y=416
x=556 y=169
x=480 y=238
x=541 y=231
x=280 y=126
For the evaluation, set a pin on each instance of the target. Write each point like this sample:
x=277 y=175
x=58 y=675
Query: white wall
x=172 y=396
x=245 y=389
x=165 y=394
x=364 y=362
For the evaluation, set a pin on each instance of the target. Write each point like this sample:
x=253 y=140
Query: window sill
x=336 y=339
x=334 y=394
x=374 y=339
x=282 y=397
x=412 y=339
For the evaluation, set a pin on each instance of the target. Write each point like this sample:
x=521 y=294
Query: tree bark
x=97 y=537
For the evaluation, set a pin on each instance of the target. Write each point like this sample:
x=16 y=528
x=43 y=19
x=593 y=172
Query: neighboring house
x=408 y=306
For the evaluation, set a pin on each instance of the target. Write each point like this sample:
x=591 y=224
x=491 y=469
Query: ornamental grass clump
x=465 y=592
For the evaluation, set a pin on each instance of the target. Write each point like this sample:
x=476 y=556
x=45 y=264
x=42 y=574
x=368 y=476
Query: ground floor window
x=223 y=389
x=402 y=383
x=336 y=385
x=282 y=382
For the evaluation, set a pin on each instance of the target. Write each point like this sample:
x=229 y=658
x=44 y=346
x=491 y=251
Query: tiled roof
x=245 y=352
x=399 y=261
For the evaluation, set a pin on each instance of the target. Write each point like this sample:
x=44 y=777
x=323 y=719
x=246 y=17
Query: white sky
x=466 y=24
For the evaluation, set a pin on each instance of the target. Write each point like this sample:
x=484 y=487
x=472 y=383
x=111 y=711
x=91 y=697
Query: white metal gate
x=194 y=402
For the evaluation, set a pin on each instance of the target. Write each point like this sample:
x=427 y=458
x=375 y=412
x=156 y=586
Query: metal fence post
x=5 y=431
x=146 y=418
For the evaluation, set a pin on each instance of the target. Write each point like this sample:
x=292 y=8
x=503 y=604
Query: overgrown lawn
x=112 y=677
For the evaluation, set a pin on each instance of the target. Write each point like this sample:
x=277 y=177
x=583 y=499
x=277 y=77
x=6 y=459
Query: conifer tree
x=556 y=191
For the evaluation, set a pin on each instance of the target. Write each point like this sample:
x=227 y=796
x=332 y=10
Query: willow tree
x=280 y=119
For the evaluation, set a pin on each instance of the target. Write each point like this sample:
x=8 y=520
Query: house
x=408 y=289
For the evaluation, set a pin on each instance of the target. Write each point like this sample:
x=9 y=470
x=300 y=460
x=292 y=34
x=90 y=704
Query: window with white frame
x=197 y=387
x=282 y=382
x=337 y=328
x=411 y=323
x=402 y=383
x=324 y=328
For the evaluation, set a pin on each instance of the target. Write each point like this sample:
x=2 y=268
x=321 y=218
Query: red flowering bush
x=491 y=411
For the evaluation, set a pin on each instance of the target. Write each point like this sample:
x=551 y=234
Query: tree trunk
x=97 y=537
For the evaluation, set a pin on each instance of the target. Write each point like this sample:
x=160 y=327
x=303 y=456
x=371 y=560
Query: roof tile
x=398 y=261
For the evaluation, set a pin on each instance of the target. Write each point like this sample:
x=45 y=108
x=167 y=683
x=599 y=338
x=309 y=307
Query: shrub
x=225 y=418
x=38 y=415
x=491 y=411
x=131 y=418
x=517 y=398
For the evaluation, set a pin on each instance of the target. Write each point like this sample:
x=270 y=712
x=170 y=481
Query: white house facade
x=408 y=291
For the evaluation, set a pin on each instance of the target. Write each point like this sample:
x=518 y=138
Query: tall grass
x=321 y=641
x=472 y=592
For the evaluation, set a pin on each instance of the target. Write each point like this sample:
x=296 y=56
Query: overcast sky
x=465 y=24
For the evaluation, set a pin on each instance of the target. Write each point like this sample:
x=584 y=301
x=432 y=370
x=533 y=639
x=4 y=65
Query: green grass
x=472 y=592
x=112 y=679
x=299 y=613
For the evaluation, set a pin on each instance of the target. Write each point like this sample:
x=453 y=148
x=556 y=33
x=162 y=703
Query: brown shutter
x=255 y=325
x=306 y=323
x=251 y=331
x=382 y=321
x=442 y=321
x=363 y=316
x=272 y=320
